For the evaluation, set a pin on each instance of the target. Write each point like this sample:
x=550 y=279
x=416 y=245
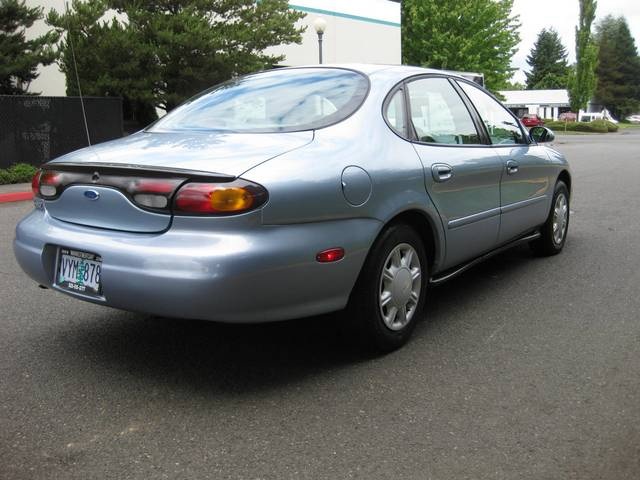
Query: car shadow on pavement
x=237 y=359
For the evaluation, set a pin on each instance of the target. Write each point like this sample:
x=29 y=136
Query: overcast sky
x=563 y=16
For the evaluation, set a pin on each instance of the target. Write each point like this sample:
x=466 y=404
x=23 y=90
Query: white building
x=365 y=31
x=544 y=103
x=360 y=31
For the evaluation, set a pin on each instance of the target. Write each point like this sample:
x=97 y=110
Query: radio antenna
x=75 y=68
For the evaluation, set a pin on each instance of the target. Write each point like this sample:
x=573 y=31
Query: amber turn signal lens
x=233 y=199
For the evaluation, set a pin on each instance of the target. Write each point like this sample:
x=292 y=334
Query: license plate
x=79 y=271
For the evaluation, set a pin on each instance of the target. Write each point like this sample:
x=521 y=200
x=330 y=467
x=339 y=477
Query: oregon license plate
x=79 y=271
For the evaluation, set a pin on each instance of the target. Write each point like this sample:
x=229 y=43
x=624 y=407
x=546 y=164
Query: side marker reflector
x=330 y=255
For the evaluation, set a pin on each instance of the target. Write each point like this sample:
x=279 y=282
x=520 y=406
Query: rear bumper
x=246 y=273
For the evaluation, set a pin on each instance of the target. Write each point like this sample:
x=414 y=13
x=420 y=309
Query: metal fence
x=35 y=129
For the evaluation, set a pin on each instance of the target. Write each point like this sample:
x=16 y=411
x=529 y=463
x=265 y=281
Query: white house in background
x=362 y=31
x=544 y=103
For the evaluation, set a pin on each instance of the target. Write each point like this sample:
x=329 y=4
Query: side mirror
x=542 y=135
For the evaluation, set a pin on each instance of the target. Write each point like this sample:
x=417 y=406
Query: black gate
x=35 y=129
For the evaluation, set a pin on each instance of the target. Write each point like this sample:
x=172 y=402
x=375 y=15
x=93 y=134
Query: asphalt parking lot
x=522 y=368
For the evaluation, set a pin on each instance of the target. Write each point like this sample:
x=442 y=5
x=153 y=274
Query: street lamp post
x=320 y=24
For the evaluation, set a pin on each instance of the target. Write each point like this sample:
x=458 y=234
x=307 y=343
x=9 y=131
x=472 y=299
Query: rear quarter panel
x=306 y=185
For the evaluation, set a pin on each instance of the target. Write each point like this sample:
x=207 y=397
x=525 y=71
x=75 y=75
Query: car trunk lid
x=227 y=154
x=129 y=184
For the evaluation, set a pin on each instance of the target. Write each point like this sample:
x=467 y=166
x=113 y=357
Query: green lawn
x=628 y=125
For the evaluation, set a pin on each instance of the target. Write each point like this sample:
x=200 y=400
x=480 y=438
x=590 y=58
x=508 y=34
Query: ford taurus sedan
x=295 y=192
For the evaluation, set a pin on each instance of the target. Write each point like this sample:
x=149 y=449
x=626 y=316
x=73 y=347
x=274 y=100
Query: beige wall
x=51 y=81
x=345 y=41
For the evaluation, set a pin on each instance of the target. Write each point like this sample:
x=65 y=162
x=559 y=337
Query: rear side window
x=439 y=115
x=502 y=127
x=284 y=100
x=395 y=113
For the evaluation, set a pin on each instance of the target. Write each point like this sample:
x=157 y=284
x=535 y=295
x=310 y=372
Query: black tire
x=365 y=311
x=550 y=244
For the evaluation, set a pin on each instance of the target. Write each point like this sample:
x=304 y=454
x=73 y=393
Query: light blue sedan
x=296 y=192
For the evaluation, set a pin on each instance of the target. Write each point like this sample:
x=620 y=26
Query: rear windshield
x=285 y=100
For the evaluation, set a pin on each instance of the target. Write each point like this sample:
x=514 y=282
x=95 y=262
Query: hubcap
x=400 y=285
x=560 y=218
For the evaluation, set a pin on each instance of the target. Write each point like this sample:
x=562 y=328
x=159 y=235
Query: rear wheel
x=554 y=231
x=389 y=295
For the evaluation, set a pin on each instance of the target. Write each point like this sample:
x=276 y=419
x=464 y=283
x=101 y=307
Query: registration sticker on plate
x=79 y=271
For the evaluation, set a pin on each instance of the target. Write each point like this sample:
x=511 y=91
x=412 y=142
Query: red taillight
x=330 y=255
x=35 y=183
x=231 y=198
x=49 y=182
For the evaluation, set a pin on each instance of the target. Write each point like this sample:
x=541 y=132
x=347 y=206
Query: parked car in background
x=634 y=119
x=295 y=192
x=568 y=117
x=532 y=120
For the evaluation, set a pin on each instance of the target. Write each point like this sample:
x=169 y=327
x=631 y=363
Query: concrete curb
x=15 y=197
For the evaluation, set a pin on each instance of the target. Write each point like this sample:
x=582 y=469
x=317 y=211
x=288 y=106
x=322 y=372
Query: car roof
x=373 y=68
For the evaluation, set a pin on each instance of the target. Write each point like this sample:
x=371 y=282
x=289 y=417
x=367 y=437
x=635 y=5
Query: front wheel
x=554 y=231
x=389 y=295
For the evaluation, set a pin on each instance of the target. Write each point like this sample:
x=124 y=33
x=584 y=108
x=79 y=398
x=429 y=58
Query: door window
x=439 y=115
x=503 y=128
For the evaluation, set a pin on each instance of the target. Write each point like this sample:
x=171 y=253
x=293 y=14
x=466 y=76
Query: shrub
x=19 y=173
x=4 y=177
x=612 y=127
x=597 y=126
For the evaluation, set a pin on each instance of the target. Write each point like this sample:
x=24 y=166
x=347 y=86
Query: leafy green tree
x=19 y=57
x=548 y=62
x=157 y=53
x=582 y=81
x=478 y=35
x=618 y=68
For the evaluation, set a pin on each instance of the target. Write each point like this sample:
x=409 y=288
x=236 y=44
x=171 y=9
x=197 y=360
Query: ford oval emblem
x=91 y=194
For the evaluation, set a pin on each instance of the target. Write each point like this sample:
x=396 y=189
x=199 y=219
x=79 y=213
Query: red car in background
x=531 y=120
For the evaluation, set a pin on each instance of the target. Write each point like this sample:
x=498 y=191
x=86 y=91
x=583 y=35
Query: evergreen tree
x=110 y=58
x=19 y=57
x=479 y=36
x=618 y=69
x=514 y=86
x=548 y=62
x=582 y=81
x=167 y=50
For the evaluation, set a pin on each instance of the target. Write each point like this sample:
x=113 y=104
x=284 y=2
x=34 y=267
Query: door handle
x=441 y=172
x=512 y=167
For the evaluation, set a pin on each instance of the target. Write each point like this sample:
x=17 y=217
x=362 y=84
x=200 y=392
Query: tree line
x=483 y=36
x=156 y=53
x=610 y=68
